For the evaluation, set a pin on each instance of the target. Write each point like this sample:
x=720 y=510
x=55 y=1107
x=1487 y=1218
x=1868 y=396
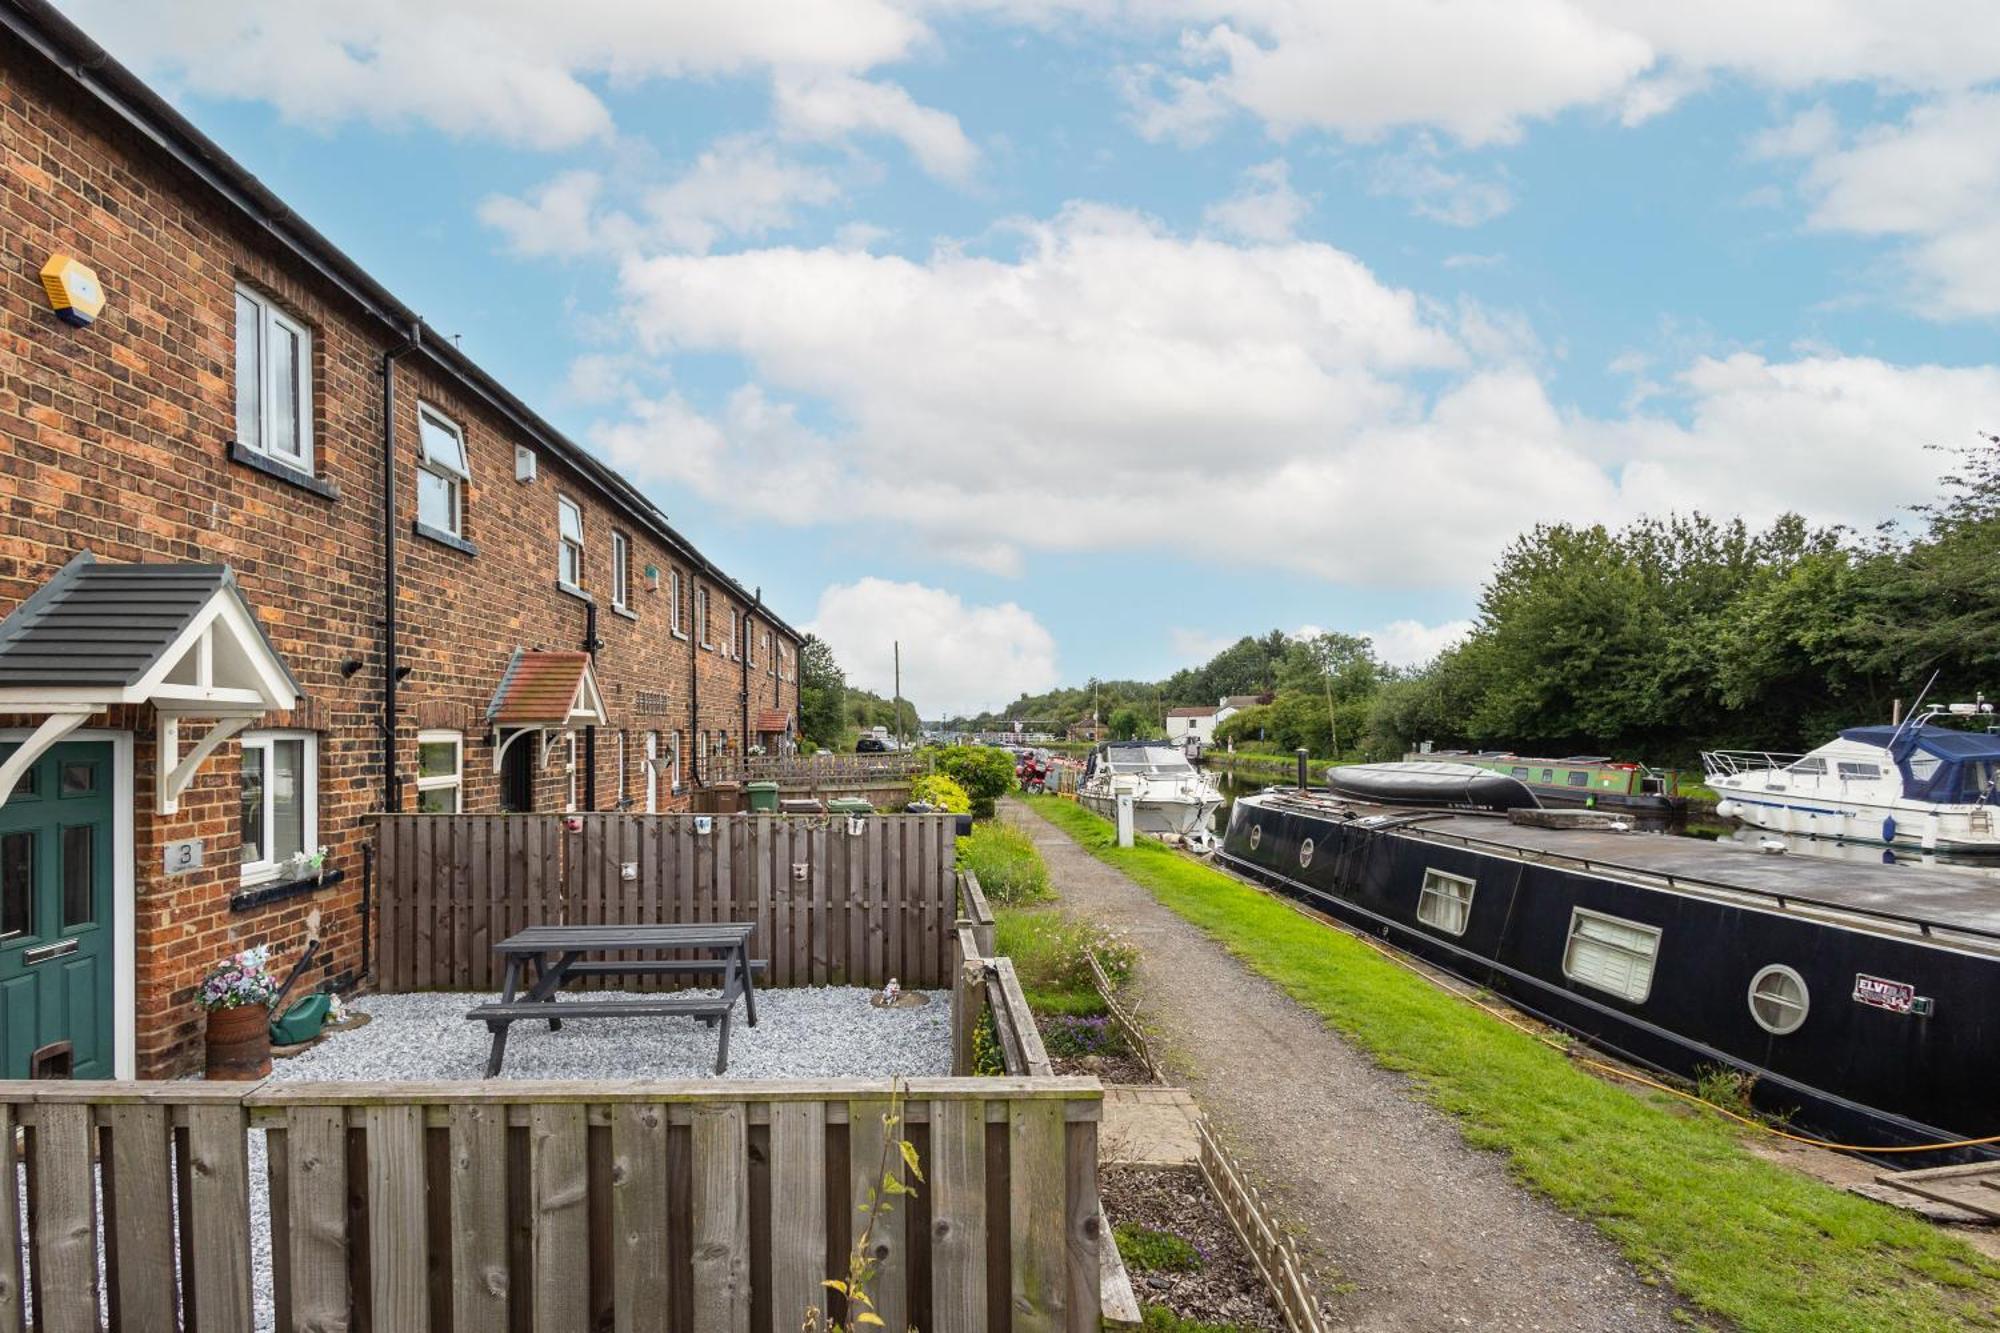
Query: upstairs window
x=621 y=571
x=273 y=382
x=441 y=472
x=674 y=604
x=569 y=524
x=701 y=617
x=735 y=635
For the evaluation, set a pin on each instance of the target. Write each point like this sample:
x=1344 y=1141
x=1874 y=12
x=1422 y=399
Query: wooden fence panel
x=833 y=903
x=632 y=1202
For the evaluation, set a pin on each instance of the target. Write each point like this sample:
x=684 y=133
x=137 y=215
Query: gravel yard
x=827 y=1032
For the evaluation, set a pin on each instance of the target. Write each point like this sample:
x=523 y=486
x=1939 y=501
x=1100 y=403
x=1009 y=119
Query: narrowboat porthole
x=1305 y=853
x=1779 y=999
x=1256 y=835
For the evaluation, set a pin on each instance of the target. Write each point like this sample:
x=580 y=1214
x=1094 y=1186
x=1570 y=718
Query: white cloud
x=1436 y=192
x=739 y=186
x=957 y=658
x=831 y=107
x=1298 y=411
x=1413 y=643
x=1267 y=208
x=522 y=71
x=1932 y=180
x=1193 y=646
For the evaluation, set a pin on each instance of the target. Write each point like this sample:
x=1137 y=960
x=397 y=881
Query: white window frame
x=566 y=549
x=674 y=773
x=455 y=479
x=735 y=635
x=259 y=871
x=621 y=571
x=1581 y=914
x=1460 y=907
x=650 y=761
x=270 y=316
x=701 y=616
x=679 y=626
x=455 y=781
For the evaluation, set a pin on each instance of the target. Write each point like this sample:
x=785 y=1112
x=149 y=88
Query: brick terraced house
x=275 y=557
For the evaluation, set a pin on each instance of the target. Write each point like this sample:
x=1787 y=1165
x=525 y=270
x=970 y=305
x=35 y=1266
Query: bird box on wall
x=74 y=293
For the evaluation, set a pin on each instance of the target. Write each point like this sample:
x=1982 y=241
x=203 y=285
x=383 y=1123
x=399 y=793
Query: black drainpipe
x=392 y=785
x=591 y=643
x=743 y=652
x=695 y=755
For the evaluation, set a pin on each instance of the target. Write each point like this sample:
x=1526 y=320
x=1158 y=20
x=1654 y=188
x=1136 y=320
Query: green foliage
x=822 y=693
x=898 y=1165
x=939 y=790
x=1133 y=724
x=1148 y=1251
x=985 y=771
x=1010 y=870
x=1051 y=951
x=1072 y=1036
x=1742 y=1238
x=988 y=1059
x=1159 y=1319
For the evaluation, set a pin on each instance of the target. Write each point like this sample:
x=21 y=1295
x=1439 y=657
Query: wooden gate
x=833 y=903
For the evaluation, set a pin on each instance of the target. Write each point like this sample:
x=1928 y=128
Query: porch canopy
x=180 y=637
x=544 y=691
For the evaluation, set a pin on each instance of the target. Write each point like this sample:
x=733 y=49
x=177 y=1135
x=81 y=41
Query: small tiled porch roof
x=773 y=721
x=547 y=689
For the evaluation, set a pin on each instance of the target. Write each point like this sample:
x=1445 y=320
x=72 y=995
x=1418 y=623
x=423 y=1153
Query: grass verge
x=1739 y=1237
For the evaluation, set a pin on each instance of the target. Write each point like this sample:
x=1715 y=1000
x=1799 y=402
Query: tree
x=1129 y=724
x=822 y=693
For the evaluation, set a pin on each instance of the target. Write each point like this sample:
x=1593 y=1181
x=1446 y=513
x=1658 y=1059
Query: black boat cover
x=1454 y=786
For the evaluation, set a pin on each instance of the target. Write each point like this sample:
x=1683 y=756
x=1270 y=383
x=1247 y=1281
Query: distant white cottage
x=1197 y=725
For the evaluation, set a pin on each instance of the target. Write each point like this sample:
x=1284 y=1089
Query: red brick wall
x=116 y=437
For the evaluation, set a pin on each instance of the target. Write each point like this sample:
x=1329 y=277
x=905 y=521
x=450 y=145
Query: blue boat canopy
x=1939 y=764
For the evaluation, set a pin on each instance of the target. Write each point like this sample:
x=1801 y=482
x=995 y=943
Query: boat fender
x=1725 y=809
x=1888 y=828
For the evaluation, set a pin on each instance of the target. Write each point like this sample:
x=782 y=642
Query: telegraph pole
x=897 y=645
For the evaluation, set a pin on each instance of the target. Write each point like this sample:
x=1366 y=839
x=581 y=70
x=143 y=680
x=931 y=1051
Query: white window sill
x=619 y=609
x=681 y=635
x=572 y=590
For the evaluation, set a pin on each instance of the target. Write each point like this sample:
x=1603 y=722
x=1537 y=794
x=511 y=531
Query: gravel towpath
x=1409 y=1227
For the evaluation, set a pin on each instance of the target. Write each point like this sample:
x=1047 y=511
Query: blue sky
x=1066 y=338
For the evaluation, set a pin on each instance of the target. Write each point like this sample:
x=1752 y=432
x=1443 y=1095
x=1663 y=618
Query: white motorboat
x=1171 y=798
x=1919 y=784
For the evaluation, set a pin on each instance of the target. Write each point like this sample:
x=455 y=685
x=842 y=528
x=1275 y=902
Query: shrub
x=1051 y=951
x=1073 y=1036
x=939 y=790
x=986 y=773
x=1148 y=1251
x=1008 y=866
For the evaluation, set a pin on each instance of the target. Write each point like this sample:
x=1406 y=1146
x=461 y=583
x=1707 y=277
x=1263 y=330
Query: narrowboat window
x=1305 y=854
x=1779 y=999
x=1520 y=772
x=1611 y=954
x=1548 y=775
x=1579 y=778
x=1809 y=765
x=1445 y=902
x=1857 y=770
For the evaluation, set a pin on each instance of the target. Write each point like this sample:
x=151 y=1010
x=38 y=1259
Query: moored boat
x=1171 y=798
x=1459 y=786
x=1919 y=784
x=1856 y=998
x=1581 y=781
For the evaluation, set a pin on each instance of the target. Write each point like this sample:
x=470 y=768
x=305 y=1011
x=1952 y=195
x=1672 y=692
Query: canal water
x=1752 y=841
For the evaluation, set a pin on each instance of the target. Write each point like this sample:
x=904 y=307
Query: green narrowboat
x=1591 y=782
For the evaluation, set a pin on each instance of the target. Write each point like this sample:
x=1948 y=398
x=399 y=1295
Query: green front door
x=55 y=915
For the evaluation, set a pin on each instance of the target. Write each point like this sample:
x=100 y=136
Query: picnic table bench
x=725 y=944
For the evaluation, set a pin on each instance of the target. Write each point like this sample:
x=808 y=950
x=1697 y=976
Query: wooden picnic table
x=725 y=944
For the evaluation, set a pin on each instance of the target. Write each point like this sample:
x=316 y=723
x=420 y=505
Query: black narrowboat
x=1861 y=998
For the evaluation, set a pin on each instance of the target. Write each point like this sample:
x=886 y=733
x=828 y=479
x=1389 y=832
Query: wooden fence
x=1275 y=1254
x=832 y=906
x=817 y=770
x=551 y=1207
x=985 y=984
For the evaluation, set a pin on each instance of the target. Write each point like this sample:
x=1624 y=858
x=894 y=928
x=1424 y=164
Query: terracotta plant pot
x=239 y=1042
